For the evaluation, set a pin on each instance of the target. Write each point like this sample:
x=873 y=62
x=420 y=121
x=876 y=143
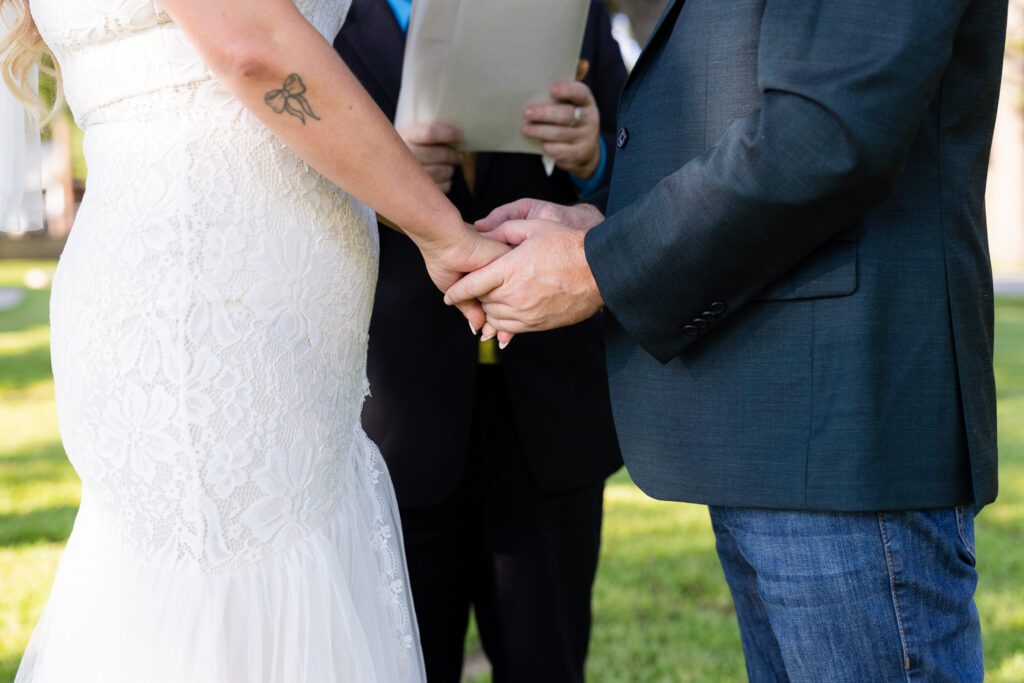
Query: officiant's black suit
x=499 y=469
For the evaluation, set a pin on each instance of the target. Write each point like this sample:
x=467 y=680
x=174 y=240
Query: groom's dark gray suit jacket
x=795 y=259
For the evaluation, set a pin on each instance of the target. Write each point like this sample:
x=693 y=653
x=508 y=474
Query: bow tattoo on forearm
x=291 y=98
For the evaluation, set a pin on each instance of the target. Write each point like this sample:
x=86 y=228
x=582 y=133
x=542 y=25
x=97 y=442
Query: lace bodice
x=136 y=47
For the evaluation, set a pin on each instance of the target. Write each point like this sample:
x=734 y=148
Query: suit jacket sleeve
x=844 y=86
x=598 y=198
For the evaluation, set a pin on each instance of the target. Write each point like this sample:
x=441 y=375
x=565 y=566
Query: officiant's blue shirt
x=402 y=10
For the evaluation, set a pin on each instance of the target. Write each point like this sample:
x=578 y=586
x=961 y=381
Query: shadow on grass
x=1008 y=533
x=43 y=461
x=49 y=452
x=8 y=667
x=22 y=370
x=34 y=310
x=1002 y=646
x=45 y=524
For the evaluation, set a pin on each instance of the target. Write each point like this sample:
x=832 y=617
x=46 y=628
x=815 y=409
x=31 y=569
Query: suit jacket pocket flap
x=829 y=271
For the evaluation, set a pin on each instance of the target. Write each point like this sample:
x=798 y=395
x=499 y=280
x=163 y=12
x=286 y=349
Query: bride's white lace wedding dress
x=209 y=334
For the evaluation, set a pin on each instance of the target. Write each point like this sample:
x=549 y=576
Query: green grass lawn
x=662 y=611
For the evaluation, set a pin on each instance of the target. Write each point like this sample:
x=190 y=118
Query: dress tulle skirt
x=328 y=608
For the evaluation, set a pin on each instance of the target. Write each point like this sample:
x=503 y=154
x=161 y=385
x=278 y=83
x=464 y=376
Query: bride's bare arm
x=290 y=77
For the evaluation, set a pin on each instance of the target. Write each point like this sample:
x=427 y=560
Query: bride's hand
x=447 y=263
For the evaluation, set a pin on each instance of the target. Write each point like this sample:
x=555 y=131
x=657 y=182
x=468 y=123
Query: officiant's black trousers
x=524 y=560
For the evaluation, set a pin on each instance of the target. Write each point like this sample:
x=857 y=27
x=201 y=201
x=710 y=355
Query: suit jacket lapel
x=371 y=24
x=665 y=23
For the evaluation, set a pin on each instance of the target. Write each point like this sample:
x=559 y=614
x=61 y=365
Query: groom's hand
x=544 y=283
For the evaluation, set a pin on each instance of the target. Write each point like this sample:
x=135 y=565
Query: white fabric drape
x=21 y=197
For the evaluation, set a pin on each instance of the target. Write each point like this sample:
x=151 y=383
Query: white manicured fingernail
x=490 y=336
x=502 y=345
x=471 y=328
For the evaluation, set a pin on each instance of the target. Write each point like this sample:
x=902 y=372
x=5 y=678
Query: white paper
x=548 y=163
x=475 y=64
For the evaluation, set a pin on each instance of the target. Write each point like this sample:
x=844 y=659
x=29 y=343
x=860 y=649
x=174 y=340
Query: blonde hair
x=21 y=50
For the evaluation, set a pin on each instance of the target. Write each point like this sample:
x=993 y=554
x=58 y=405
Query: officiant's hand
x=569 y=130
x=431 y=144
x=543 y=283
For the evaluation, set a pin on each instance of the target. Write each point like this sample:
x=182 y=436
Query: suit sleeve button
x=710 y=316
x=701 y=323
x=690 y=330
x=717 y=307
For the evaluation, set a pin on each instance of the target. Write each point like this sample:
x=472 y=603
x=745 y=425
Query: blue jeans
x=858 y=597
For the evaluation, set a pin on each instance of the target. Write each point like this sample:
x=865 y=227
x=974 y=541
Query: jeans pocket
x=965 y=529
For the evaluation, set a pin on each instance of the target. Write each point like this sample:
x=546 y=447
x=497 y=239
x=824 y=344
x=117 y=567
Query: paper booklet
x=475 y=64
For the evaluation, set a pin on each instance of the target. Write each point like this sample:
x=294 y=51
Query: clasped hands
x=544 y=281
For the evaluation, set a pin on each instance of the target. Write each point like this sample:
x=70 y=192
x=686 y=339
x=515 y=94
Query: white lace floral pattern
x=209 y=322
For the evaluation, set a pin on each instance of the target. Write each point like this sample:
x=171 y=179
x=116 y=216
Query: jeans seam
x=892 y=588
x=959 y=510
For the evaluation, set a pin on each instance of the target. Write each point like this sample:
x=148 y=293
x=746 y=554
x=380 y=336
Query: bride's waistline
x=196 y=100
